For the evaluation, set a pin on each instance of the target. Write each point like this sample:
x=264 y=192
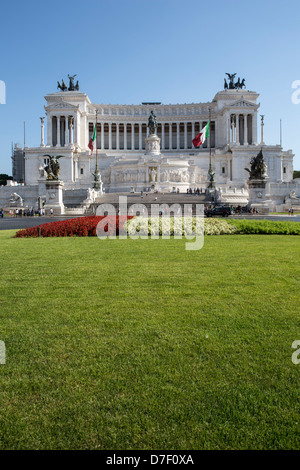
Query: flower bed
x=177 y=226
x=143 y=226
x=80 y=227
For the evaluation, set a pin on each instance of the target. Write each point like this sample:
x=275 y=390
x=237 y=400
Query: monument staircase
x=148 y=199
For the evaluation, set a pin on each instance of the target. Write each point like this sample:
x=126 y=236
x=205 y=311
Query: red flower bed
x=80 y=227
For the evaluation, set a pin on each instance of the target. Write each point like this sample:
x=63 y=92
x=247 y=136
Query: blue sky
x=129 y=51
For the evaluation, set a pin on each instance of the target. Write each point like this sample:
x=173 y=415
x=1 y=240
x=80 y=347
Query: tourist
x=51 y=212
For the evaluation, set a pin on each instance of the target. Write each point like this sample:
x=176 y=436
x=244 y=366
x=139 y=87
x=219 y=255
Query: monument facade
x=139 y=146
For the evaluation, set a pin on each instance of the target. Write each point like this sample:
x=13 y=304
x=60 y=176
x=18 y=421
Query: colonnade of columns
x=241 y=129
x=62 y=131
x=131 y=136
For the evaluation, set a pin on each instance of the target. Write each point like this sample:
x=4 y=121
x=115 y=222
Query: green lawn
x=140 y=344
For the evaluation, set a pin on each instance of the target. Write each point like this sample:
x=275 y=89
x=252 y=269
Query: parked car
x=223 y=211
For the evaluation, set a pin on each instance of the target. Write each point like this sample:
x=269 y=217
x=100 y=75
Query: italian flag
x=90 y=145
x=202 y=136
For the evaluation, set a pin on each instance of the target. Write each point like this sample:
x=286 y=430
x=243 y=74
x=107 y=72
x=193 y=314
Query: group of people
x=194 y=191
x=28 y=212
x=291 y=211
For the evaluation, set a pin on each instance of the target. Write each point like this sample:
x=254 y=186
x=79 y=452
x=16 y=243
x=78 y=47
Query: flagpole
x=210 y=138
x=211 y=183
x=96 y=142
x=97 y=176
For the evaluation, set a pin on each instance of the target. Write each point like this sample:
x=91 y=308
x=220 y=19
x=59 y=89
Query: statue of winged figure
x=53 y=167
x=258 y=167
x=231 y=80
x=71 y=84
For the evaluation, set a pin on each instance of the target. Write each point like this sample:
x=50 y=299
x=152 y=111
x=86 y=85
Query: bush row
x=87 y=227
x=266 y=227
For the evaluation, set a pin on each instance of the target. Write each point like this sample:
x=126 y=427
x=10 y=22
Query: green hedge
x=156 y=226
x=268 y=227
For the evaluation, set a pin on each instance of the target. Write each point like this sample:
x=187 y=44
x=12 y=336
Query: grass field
x=139 y=344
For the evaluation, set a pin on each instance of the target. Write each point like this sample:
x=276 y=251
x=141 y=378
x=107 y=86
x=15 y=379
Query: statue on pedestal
x=258 y=169
x=52 y=168
x=152 y=123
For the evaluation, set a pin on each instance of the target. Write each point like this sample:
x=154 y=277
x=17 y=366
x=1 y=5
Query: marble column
x=178 y=135
x=71 y=130
x=109 y=136
x=254 y=128
x=102 y=135
x=132 y=136
x=237 y=117
x=232 y=138
x=163 y=136
x=76 y=129
x=49 y=130
x=245 y=129
x=140 y=136
x=262 y=131
x=125 y=136
x=118 y=136
x=185 y=135
x=58 y=132
x=42 y=132
x=66 y=131
x=228 y=130
x=170 y=136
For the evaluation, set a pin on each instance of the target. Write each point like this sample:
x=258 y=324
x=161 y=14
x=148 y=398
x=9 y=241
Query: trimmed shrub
x=80 y=227
x=266 y=227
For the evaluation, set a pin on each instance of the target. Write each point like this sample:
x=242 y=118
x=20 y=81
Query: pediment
x=242 y=103
x=61 y=105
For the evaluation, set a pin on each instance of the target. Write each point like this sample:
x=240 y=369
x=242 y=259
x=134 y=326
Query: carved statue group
x=126 y=176
x=258 y=167
x=231 y=84
x=15 y=199
x=63 y=87
x=52 y=168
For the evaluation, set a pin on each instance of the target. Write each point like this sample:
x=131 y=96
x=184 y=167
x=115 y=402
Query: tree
x=4 y=178
x=296 y=174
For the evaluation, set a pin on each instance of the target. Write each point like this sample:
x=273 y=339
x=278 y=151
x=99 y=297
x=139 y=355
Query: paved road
x=16 y=223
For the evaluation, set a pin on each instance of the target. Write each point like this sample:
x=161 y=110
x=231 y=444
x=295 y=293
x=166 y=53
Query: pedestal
x=54 y=198
x=152 y=145
x=258 y=196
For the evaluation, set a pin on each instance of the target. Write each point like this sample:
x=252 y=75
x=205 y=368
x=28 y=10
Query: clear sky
x=129 y=51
